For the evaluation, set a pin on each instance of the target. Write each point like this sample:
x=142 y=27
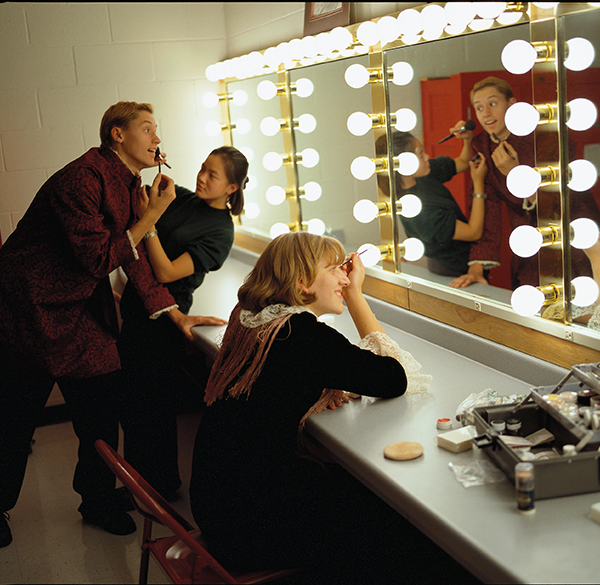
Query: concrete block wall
x=64 y=64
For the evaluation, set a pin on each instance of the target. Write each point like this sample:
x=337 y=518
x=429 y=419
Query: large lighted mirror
x=444 y=72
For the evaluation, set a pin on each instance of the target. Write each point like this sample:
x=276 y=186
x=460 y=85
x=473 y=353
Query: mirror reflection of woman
x=193 y=237
x=441 y=225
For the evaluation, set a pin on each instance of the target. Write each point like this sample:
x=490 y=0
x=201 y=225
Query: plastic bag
x=488 y=397
x=476 y=473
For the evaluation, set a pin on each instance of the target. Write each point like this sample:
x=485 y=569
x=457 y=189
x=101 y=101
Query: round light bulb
x=341 y=38
x=213 y=128
x=247 y=152
x=523 y=181
x=586 y=291
x=367 y=34
x=269 y=126
x=324 y=44
x=272 y=57
x=411 y=205
x=387 y=29
x=310 y=158
x=582 y=114
x=408 y=163
x=518 y=56
x=459 y=14
x=356 y=76
x=362 y=168
x=369 y=254
x=309 y=46
x=527 y=300
x=525 y=241
x=266 y=90
x=251 y=184
x=212 y=72
x=359 y=123
x=307 y=123
x=278 y=229
x=295 y=49
x=402 y=73
x=410 y=22
x=434 y=21
x=585 y=233
x=521 y=119
x=239 y=97
x=210 y=99
x=581 y=54
x=365 y=211
x=251 y=210
x=583 y=175
x=312 y=191
x=256 y=62
x=272 y=161
x=406 y=120
x=315 y=226
x=414 y=249
x=304 y=87
x=490 y=9
x=275 y=195
x=243 y=126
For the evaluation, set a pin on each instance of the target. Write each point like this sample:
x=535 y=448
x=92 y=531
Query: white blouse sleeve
x=380 y=344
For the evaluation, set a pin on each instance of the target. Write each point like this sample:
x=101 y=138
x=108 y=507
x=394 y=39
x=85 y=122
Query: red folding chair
x=183 y=557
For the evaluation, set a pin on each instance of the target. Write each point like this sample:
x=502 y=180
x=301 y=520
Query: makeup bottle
x=524 y=484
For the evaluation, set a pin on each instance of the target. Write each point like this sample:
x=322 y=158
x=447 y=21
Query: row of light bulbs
x=519 y=57
x=409 y=26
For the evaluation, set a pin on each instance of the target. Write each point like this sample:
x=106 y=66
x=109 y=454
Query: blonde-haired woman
x=255 y=498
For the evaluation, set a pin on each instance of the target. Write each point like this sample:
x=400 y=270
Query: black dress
x=253 y=497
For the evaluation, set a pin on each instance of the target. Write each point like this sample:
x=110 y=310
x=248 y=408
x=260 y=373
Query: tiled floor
x=50 y=542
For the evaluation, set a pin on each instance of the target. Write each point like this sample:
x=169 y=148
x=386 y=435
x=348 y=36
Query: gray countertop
x=479 y=526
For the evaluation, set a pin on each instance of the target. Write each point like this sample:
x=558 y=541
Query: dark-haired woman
x=192 y=238
x=441 y=225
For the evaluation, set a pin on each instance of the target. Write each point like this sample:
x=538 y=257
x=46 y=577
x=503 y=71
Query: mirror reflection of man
x=491 y=98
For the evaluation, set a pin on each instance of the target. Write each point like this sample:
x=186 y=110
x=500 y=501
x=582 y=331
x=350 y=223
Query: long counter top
x=479 y=526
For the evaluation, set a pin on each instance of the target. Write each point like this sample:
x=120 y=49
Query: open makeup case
x=548 y=423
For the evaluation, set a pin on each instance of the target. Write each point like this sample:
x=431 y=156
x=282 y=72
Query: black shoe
x=5 y=533
x=113 y=521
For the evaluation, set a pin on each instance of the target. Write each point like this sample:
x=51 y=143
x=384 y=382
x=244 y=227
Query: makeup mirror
x=469 y=56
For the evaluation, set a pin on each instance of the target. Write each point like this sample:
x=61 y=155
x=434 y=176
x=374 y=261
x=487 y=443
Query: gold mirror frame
x=471 y=310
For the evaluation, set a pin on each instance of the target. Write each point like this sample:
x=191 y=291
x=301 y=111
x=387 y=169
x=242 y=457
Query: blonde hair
x=120 y=115
x=500 y=84
x=286 y=259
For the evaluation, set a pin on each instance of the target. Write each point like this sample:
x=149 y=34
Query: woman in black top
x=441 y=225
x=194 y=236
x=257 y=500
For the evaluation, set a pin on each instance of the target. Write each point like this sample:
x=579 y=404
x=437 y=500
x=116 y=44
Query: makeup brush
x=350 y=259
x=157 y=157
x=499 y=142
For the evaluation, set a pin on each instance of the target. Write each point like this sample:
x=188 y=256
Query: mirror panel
x=586 y=145
x=331 y=103
x=255 y=145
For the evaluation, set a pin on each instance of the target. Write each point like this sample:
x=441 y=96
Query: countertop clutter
x=479 y=526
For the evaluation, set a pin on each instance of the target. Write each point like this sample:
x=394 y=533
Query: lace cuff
x=162 y=311
x=381 y=344
x=135 y=252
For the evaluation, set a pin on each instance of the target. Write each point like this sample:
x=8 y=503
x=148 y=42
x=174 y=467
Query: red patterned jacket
x=57 y=312
x=487 y=249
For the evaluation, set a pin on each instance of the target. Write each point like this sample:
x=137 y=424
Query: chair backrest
x=154 y=507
